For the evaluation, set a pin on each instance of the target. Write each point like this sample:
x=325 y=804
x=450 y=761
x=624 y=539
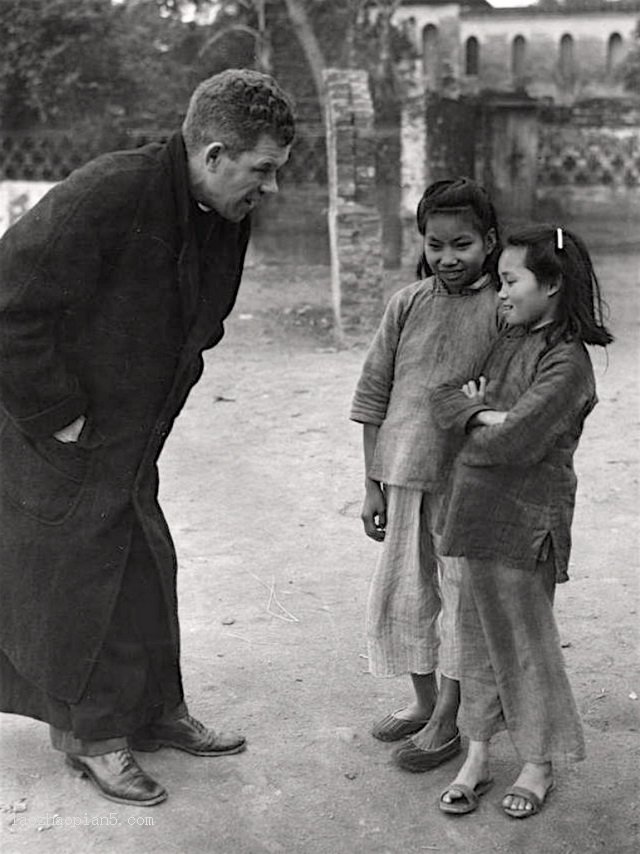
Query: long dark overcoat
x=105 y=308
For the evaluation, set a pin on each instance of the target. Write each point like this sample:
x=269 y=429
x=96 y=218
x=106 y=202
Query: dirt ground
x=261 y=483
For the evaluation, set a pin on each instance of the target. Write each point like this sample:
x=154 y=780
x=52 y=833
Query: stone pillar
x=413 y=136
x=355 y=234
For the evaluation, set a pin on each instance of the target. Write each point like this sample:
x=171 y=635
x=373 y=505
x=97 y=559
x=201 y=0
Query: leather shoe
x=188 y=734
x=119 y=778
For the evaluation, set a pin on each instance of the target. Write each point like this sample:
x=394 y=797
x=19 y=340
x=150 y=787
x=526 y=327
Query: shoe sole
x=84 y=772
x=152 y=746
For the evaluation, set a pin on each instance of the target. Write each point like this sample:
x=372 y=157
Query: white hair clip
x=559 y=239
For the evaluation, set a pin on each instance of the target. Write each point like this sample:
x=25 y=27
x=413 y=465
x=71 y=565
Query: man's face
x=233 y=187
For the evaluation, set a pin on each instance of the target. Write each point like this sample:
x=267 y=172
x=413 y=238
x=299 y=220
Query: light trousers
x=414 y=598
x=513 y=673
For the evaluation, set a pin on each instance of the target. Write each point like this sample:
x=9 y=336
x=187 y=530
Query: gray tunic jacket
x=513 y=485
x=426 y=335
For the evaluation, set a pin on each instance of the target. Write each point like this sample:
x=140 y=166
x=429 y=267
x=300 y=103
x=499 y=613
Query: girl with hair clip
x=431 y=329
x=509 y=510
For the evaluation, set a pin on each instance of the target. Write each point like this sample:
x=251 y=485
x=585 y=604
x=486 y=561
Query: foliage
x=49 y=64
x=73 y=62
x=104 y=64
x=162 y=54
x=304 y=36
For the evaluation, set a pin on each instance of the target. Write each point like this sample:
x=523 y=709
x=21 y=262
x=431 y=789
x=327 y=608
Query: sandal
x=535 y=801
x=393 y=728
x=469 y=800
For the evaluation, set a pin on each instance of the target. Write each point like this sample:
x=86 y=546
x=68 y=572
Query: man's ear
x=212 y=154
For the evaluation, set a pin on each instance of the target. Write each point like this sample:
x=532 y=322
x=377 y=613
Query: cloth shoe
x=188 y=734
x=393 y=728
x=118 y=777
x=413 y=758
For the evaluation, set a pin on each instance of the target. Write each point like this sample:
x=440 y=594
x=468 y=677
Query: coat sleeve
x=49 y=262
x=373 y=390
x=451 y=408
x=560 y=397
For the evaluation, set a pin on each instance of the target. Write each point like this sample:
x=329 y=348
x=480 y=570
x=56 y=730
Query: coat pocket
x=43 y=478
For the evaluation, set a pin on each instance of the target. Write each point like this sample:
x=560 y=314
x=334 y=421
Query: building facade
x=563 y=55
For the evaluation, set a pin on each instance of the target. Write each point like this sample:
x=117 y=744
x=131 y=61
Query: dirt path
x=261 y=482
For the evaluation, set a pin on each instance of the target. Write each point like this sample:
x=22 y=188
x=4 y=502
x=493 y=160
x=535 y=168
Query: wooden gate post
x=507 y=161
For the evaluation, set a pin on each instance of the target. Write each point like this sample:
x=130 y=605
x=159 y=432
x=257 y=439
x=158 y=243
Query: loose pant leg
x=68 y=743
x=450 y=579
x=450 y=640
x=404 y=597
x=480 y=715
x=136 y=678
x=513 y=672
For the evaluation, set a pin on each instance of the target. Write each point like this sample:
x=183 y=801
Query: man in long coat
x=110 y=289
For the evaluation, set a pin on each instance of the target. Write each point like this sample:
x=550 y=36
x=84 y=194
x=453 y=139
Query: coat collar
x=176 y=157
x=186 y=205
x=479 y=285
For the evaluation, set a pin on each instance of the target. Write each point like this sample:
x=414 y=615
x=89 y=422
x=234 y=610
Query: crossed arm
x=558 y=399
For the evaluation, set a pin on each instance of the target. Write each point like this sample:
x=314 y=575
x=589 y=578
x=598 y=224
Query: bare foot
x=437 y=733
x=474 y=770
x=414 y=712
x=538 y=778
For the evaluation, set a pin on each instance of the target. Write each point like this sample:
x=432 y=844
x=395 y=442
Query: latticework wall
x=587 y=157
x=52 y=156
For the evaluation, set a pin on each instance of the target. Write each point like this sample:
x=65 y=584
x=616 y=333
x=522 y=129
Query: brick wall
x=355 y=233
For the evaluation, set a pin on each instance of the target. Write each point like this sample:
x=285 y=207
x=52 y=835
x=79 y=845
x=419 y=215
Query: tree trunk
x=386 y=11
x=354 y=9
x=264 y=48
x=309 y=43
x=388 y=149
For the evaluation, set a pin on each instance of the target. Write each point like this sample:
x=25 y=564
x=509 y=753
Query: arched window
x=472 y=57
x=430 y=50
x=615 y=51
x=518 y=57
x=567 y=59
